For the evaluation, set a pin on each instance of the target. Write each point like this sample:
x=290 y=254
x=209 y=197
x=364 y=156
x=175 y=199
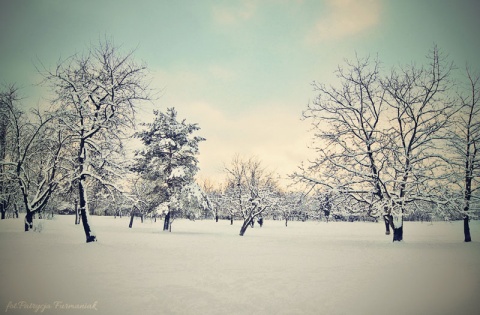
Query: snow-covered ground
x=204 y=267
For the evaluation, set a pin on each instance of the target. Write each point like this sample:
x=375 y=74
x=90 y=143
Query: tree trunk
x=231 y=219
x=286 y=222
x=131 y=219
x=28 y=221
x=396 y=223
x=466 y=229
x=77 y=214
x=398 y=234
x=387 y=225
x=245 y=226
x=89 y=235
x=3 y=209
x=166 y=222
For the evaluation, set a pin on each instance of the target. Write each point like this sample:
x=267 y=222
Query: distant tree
x=97 y=93
x=144 y=198
x=191 y=203
x=229 y=200
x=255 y=187
x=168 y=159
x=289 y=203
x=213 y=195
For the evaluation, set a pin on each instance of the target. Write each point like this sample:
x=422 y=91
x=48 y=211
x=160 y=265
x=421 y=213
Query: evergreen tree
x=169 y=159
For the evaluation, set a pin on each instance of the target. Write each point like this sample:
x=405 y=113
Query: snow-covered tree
x=379 y=140
x=8 y=96
x=97 y=93
x=254 y=189
x=35 y=161
x=191 y=203
x=213 y=194
x=169 y=158
x=349 y=121
x=290 y=203
x=228 y=201
x=465 y=141
x=422 y=112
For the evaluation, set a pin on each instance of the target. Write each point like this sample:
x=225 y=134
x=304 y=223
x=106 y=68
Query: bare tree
x=35 y=161
x=349 y=122
x=380 y=140
x=421 y=115
x=255 y=187
x=289 y=203
x=7 y=190
x=98 y=93
x=465 y=141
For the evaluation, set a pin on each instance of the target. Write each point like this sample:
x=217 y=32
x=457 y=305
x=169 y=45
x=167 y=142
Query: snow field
x=204 y=267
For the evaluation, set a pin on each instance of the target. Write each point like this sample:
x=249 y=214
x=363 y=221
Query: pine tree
x=169 y=158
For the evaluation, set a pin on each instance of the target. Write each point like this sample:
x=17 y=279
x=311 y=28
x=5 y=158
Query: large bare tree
x=465 y=141
x=421 y=115
x=98 y=93
x=379 y=139
x=349 y=123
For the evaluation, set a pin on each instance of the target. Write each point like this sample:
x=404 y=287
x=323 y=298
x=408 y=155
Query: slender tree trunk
x=468 y=195
x=466 y=229
x=286 y=222
x=77 y=213
x=28 y=221
x=231 y=219
x=131 y=219
x=90 y=236
x=166 y=222
x=245 y=225
x=387 y=225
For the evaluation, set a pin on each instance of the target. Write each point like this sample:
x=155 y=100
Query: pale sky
x=243 y=69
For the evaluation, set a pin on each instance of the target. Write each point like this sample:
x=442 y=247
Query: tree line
x=392 y=145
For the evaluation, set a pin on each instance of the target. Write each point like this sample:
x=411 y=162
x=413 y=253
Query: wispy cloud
x=345 y=18
x=232 y=15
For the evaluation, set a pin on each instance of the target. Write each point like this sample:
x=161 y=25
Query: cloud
x=345 y=18
x=231 y=15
